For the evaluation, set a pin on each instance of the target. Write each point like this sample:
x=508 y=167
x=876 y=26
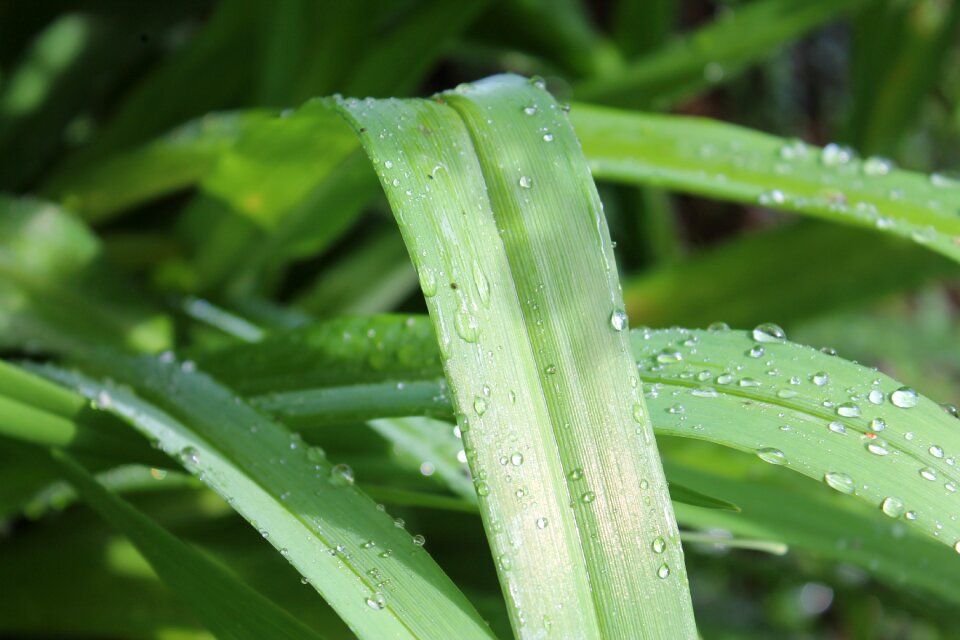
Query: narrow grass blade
x=228 y=607
x=369 y=570
x=714 y=53
x=727 y=162
x=504 y=224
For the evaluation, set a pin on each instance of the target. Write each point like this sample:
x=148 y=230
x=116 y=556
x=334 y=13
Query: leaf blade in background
x=726 y=162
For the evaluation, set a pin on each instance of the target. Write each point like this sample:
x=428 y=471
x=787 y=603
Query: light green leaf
x=723 y=161
x=302 y=505
x=504 y=224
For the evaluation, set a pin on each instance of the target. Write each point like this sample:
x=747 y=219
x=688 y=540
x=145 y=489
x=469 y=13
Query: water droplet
x=483 y=489
x=820 y=378
x=928 y=474
x=875 y=396
x=669 y=356
x=878 y=424
x=576 y=474
x=768 y=332
x=893 y=507
x=542 y=523
x=618 y=320
x=793 y=150
x=516 y=459
x=504 y=562
x=905 y=398
x=388 y=164
x=848 y=410
x=341 y=475
x=771 y=455
x=658 y=545
x=428 y=281
x=956 y=547
x=877 y=166
x=526 y=182
x=548 y=137
x=588 y=497
x=377 y=602
x=833 y=155
x=839 y=481
x=531 y=110
x=718 y=326
x=951 y=409
x=663 y=571
x=190 y=455
x=877 y=448
x=467 y=325
x=756 y=351
x=480 y=405
x=550 y=369
x=419 y=540
x=837 y=427
x=936 y=451
x=676 y=409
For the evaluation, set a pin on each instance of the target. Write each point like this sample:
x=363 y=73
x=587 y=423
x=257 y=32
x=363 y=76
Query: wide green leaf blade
x=370 y=571
x=505 y=227
x=228 y=607
x=723 y=161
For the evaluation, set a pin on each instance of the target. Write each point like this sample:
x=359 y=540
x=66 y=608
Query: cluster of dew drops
x=863 y=176
x=903 y=398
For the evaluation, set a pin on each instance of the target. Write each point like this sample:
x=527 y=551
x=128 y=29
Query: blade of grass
x=228 y=607
x=726 y=162
x=302 y=505
x=523 y=314
x=713 y=53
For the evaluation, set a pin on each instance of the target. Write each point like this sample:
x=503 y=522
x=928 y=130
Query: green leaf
x=706 y=385
x=57 y=292
x=504 y=224
x=302 y=505
x=229 y=608
x=716 y=52
x=727 y=162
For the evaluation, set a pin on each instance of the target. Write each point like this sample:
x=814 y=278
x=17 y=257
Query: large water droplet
x=848 y=410
x=820 y=378
x=837 y=427
x=893 y=507
x=771 y=455
x=618 y=320
x=768 y=332
x=877 y=448
x=905 y=398
x=928 y=474
x=839 y=481
x=467 y=325
x=936 y=451
x=875 y=396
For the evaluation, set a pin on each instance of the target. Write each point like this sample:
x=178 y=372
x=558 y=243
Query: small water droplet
x=526 y=182
x=936 y=451
x=833 y=155
x=663 y=571
x=341 y=475
x=419 y=540
x=756 y=351
x=905 y=398
x=875 y=396
x=820 y=378
x=877 y=448
x=718 y=326
x=669 y=356
x=588 y=497
x=837 y=427
x=878 y=424
x=376 y=601
x=480 y=405
x=877 y=166
x=542 y=523
x=928 y=474
x=658 y=545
